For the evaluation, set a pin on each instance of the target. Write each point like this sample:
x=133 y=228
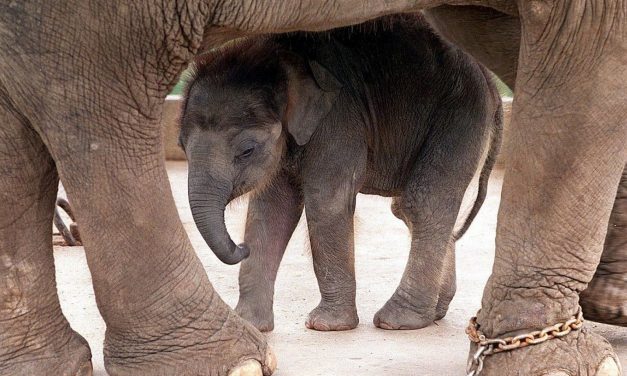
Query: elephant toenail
x=557 y=373
x=251 y=367
x=85 y=369
x=271 y=363
x=608 y=367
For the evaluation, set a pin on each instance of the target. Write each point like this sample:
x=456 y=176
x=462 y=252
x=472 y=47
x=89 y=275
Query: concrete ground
x=382 y=245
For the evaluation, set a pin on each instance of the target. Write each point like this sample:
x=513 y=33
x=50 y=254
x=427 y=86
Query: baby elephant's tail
x=490 y=160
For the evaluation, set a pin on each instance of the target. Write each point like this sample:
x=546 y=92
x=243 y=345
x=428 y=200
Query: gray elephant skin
x=82 y=84
x=311 y=119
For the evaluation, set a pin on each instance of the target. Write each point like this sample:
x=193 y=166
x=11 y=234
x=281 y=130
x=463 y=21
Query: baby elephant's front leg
x=330 y=222
x=272 y=217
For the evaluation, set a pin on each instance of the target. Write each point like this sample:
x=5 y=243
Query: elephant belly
x=388 y=183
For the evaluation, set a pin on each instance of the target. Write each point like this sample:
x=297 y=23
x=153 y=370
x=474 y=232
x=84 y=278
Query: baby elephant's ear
x=325 y=79
x=311 y=96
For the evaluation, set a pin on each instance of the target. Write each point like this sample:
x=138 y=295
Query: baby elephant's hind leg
x=448 y=282
x=397 y=210
x=428 y=282
x=430 y=205
x=448 y=278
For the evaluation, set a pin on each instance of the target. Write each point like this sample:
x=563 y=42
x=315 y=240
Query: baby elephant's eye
x=246 y=153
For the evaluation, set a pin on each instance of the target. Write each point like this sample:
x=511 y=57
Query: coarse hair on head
x=247 y=63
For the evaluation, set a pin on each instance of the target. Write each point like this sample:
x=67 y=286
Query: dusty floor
x=382 y=246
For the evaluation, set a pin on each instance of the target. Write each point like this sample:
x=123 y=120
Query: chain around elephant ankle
x=490 y=346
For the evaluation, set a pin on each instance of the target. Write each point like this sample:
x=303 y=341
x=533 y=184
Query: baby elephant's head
x=239 y=109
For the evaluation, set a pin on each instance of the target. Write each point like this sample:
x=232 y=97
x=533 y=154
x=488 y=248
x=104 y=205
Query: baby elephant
x=311 y=119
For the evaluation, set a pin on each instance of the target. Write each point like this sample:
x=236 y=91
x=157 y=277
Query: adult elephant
x=81 y=90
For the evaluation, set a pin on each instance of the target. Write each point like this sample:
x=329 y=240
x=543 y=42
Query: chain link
x=71 y=236
x=490 y=346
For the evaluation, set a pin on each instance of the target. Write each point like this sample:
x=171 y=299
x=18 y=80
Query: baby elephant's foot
x=442 y=307
x=397 y=314
x=605 y=299
x=258 y=314
x=440 y=312
x=326 y=317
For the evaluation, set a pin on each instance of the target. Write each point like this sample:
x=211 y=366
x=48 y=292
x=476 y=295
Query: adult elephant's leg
x=494 y=39
x=162 y=314
x=35 y=337
x=96 y=102
x=272 y=217
x=568 y=152
x=605 y=299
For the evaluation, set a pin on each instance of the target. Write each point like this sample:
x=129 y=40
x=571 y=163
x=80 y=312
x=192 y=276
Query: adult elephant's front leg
x=163 y=316
x=605 y=299
x=568 y=151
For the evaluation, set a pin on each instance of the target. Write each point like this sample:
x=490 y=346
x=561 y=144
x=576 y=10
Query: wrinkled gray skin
x=82 y=85
x=306 y=119
x=605 y=299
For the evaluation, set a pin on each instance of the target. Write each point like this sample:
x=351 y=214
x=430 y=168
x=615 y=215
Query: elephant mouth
x=234 y=195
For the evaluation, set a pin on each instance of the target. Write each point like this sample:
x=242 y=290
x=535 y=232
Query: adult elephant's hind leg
x=35 y=337
x=568 y=150
x=605 y=299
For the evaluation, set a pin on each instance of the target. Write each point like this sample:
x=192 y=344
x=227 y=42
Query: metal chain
x=489 y=346
x=71 y=236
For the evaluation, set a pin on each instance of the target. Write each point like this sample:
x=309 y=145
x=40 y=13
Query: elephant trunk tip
x=239 y=253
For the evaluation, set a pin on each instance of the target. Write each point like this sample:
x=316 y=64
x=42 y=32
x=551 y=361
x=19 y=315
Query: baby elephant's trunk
x=208 y=198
